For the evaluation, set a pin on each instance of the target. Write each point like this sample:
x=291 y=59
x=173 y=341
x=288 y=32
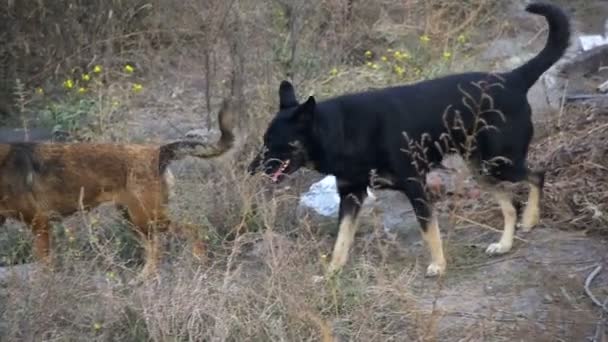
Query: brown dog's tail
x=183 y=148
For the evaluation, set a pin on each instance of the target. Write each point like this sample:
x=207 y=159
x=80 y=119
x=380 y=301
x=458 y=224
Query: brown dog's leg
x=184 y=230
x=151 y=243
x=148 y=218
x=190 y=232
x=42 y=238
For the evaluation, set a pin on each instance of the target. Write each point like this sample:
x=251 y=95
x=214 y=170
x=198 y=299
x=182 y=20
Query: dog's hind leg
x=531 y=215
x=500 y=173
x=351 y=199
x=429 y=226
x=149 y=218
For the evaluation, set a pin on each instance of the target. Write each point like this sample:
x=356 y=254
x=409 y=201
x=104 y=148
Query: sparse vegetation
x=107 y=70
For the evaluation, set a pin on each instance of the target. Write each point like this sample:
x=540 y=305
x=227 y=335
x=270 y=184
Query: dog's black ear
x=287 y=95
x=305 y=113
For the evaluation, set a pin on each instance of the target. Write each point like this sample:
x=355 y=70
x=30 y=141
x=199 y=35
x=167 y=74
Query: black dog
x=399 y=133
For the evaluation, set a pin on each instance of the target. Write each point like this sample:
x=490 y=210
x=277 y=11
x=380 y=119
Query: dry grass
x=576 y=157
x=258 y=286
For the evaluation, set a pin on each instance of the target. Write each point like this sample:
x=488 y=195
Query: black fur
x=353 y=135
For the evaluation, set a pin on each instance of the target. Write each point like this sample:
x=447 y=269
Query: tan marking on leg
x=510 y=217
x=531 y=215
x=432 y=237
x=346 y=236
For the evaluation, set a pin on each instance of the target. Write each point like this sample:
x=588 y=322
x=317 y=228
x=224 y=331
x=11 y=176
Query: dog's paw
x=497 y=248
x=435 y=269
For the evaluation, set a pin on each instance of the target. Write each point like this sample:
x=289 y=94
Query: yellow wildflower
x=374 y=66
x=68 y=84
x=401 y=55
x=82 y=90
x=97 y=69
x=333 y=72
x=368 y=54
x=97 y=326
x=115 y=103
x=111 y=275
x=389 y=50
x=137 y=87
x=369 y=64
x=461 y=39
x=85 y=77
x=384 y=59
x=447 y=55
x=39 y=91
x=424 y=39
x=129 y=69
x=399 y=70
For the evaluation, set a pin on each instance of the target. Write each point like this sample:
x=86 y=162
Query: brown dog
x=41 y=181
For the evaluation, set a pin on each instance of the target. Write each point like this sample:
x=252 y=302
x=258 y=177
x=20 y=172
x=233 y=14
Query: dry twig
x=588 y=281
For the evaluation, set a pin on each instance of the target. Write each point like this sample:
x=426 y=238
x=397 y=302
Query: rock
x=587 y=62
x=323 y=201
x=205 y=135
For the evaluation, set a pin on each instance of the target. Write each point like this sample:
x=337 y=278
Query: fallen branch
x=599 y=327
x=588 y=281
x=485 y=226
x=489 y=263
x=584 y=97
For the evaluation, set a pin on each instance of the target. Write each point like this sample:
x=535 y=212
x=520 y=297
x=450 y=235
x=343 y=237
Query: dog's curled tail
x=183 y=148
x=557 y=43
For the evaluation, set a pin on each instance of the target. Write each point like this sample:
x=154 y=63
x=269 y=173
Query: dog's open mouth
x=280 y=172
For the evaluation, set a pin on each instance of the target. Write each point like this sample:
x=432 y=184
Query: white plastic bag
x=323 y=198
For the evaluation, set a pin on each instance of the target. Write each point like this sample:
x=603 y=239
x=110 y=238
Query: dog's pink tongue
x=275 y=176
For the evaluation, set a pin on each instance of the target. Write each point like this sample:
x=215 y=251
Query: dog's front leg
x=42 y=239
x=351 y=199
